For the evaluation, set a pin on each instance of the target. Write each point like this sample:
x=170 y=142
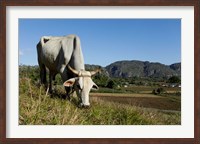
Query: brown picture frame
x=5 y=3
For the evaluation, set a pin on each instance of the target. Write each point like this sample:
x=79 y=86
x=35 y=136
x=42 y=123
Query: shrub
x=100 y=80
x=174 y=79
x=154 y=91
x=111 y=84
x=158 y=91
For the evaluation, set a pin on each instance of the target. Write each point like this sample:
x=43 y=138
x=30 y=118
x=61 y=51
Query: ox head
x=82 y=84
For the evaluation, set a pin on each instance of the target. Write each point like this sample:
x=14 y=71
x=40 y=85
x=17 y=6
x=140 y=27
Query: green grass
x=139 y=89
x=38 y=108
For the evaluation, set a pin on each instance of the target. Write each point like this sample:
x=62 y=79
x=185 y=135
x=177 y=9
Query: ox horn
x=95 y=71
x=73 y=70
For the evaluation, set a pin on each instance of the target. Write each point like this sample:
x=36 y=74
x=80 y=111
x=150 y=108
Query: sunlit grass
x=38 y=108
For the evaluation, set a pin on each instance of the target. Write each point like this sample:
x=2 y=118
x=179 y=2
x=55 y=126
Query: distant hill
x=176 y=67
x=135 y=68
x=94 y=67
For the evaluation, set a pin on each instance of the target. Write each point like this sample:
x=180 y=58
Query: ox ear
x=69 y=82
x=95 y=87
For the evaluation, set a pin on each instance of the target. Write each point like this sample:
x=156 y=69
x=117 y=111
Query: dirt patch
x=157 y=102
x=124 y=95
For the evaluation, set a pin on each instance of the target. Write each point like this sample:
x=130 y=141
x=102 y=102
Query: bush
x=154 y=91
x=174 y=79
x=111 y=84
x=100 y=80
x=158 y=91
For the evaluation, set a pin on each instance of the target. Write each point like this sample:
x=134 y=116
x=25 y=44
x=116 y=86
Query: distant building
x=174 y=85
x=125 y=86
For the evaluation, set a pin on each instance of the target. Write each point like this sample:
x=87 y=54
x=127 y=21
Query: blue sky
x=104 y=41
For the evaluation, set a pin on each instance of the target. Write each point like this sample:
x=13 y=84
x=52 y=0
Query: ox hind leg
x=51 y=78
x=43 y=74
x=50 y=83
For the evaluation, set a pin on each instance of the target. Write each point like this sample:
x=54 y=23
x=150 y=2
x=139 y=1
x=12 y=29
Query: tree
x=174 y=79
x=154 y=92
x=100 y=80
x=158 y=91
x=111 y=84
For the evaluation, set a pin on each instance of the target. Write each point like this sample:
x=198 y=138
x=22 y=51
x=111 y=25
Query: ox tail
x=41 y=65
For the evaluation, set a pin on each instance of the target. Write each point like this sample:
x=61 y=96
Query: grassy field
x=36 y=107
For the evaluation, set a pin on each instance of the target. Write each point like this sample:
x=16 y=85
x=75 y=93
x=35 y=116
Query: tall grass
x=38 y=108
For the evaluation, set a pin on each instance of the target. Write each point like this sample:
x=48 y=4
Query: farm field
x=141 y=100
x=36 y=107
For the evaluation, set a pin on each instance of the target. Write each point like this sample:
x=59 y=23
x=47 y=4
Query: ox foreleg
x=65 y=76
x=68 y=90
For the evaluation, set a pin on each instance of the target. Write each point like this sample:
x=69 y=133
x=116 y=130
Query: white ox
x=58 y=54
